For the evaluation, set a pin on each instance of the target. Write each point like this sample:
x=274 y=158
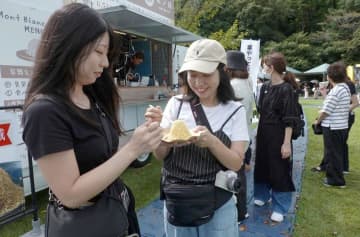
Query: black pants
x=241 y=198
x=334 y=150
x=346 y=151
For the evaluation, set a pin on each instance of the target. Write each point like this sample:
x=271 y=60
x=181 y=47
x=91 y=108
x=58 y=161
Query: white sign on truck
x=21 y=25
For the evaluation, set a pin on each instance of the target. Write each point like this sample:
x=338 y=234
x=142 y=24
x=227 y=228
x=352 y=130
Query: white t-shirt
x=236 y=128
x=336 y=105
x=243 y=89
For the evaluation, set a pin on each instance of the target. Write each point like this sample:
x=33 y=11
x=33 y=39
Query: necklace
x=82 y=105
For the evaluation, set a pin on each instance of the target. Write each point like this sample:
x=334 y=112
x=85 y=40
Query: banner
x=160 y=10
x=11 y=178
x=251 y=49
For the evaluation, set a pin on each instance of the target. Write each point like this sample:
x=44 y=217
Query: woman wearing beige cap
x=198 y=178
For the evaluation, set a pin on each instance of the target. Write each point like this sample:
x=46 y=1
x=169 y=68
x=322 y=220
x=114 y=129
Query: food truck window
x=161 y=63
x=155 y=69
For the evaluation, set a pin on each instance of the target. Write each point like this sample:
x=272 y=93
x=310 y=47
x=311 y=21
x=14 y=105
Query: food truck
x=139 y=25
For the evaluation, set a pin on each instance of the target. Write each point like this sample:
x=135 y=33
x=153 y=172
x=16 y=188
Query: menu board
x=23 y=26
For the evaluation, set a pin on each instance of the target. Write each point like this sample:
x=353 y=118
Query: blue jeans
x=281 y=201
x=223 y=223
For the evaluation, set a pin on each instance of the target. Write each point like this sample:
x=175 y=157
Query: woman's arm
x=322 y=116
x=232 y=158
x=286 y=146
x=61 y=171
x=162 y=150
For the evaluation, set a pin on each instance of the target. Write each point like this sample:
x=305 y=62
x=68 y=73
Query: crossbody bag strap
x=231 y=115
x=199 y=114
x=105 y=126
x=179 y=110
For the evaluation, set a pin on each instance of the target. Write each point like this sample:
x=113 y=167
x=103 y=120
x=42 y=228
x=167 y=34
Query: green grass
x=322 y=212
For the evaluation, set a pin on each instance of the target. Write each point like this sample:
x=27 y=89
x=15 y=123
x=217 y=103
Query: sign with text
x=24 y=25
x=161 y=10
x=251 y=49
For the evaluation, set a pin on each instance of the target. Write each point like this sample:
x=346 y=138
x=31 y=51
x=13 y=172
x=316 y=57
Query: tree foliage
x=308 y=32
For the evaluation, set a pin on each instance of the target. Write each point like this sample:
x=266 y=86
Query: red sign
x=4 y=138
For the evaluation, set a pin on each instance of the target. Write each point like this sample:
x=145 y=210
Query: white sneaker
x=259 y=203
x=277 y=217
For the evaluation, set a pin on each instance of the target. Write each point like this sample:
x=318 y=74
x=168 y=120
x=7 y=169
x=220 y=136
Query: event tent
x=293 y=70
x=318 y=70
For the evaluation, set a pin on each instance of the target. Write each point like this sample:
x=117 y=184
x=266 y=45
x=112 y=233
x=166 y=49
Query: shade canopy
x=292 y=70
x=129 y=21
x=318 y=70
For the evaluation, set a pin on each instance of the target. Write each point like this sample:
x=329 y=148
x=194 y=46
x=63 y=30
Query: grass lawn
x=322 y=212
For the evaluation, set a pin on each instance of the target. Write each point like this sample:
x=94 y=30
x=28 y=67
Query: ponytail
x=290 y=78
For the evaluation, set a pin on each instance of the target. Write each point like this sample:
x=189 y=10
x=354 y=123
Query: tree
x=231 y=38
x=352 y=55
x=297 y=49
x=309 y=33
x=339 y=37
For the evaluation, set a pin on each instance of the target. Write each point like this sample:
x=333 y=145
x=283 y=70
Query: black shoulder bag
x=317 y=128
x=107 y=217
x=192 y=204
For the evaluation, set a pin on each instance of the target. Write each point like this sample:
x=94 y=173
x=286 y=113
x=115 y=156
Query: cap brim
x=199 y=66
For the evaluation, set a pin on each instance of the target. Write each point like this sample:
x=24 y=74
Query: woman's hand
x=316 y=121
x=286 y=150
x=153 y=114
x=146 y=137
x=205 y=138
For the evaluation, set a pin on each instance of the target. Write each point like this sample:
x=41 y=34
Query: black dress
x=277 y=108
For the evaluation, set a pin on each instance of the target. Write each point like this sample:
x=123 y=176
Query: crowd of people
x=202 y=179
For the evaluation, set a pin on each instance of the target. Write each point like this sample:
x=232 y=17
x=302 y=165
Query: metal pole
x=32 y=187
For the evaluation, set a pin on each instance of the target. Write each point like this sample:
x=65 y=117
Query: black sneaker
x=316 y=169
x=244 y=218
x=326 y=184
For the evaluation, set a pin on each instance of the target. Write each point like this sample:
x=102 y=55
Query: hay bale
x=11 y=195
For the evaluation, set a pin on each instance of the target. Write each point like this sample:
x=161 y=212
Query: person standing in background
x=239 y=78
x=334 y=119
x=306 y=91
x=354 y=103
x=273 y=163
x=131 y=64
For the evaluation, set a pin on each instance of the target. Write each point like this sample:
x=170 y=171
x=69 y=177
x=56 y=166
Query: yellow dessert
x=178 y=132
